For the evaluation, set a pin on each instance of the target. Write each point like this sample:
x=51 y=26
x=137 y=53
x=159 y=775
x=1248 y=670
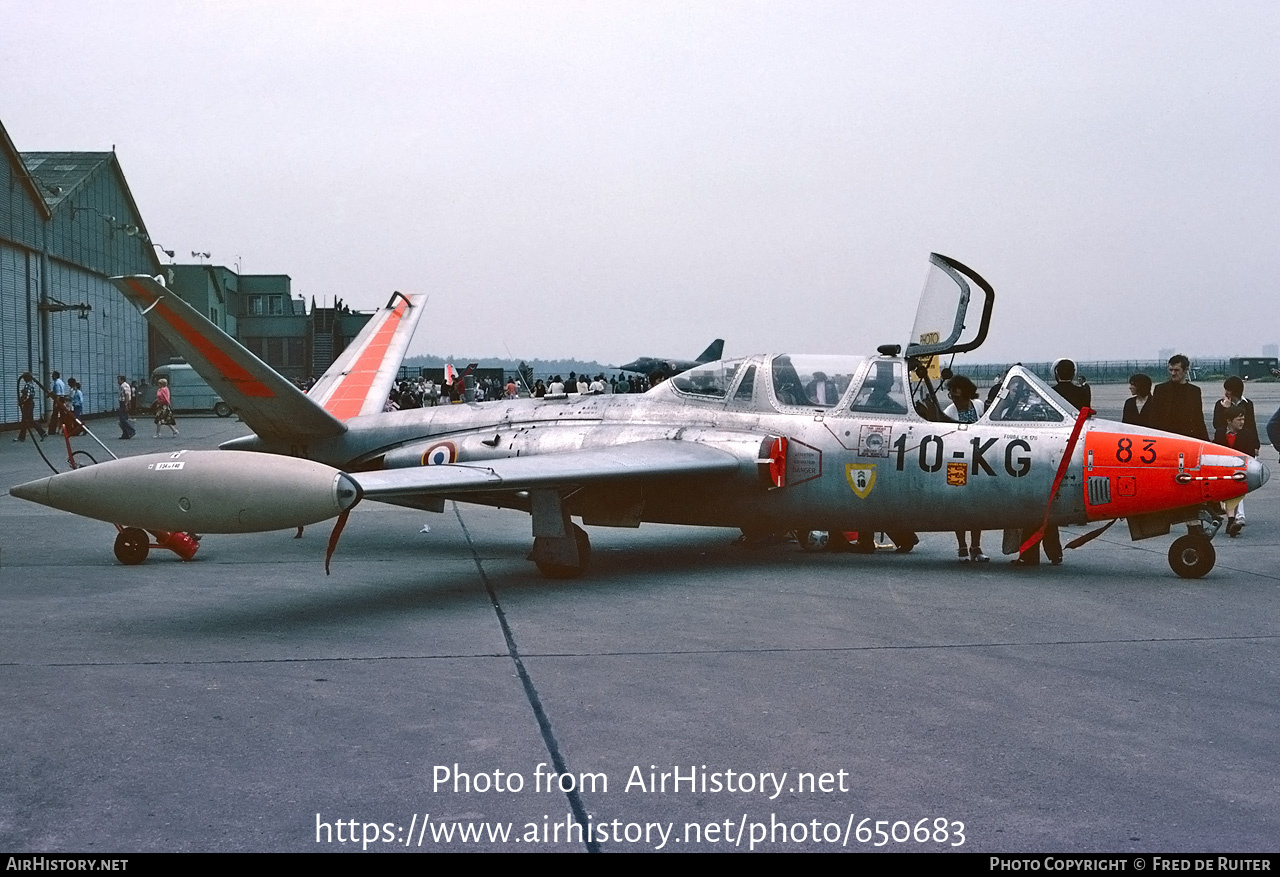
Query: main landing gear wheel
x=551 y=570
x=812 y=540
x=132 y=546
x=1191 y=556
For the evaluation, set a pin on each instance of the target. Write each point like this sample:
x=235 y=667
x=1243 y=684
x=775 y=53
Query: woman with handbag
x=164 y=409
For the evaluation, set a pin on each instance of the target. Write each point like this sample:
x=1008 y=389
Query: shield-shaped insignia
x=862 y=477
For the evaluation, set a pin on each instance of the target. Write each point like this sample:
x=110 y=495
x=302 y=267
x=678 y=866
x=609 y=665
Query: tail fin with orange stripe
x=269 y=403
x=361 y=378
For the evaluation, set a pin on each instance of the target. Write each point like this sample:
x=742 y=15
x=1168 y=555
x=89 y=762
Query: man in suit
x=1175 y=404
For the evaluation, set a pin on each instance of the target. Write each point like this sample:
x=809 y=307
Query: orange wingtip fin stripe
x=348 y=397
x=142 y=291
x=230 y=369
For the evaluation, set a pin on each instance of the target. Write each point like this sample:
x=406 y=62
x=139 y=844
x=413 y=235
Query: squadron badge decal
x=873 y=441
x=862 y=477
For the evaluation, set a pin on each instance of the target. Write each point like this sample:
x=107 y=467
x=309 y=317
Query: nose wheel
x=1192 y=555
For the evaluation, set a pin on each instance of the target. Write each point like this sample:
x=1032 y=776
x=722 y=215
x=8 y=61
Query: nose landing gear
x=1192 y=556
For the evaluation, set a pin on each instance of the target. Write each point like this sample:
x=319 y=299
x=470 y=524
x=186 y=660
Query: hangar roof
x=10 y=152
x=63 y=172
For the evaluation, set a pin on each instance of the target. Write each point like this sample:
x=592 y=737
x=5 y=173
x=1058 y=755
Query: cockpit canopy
x=948 y=320
x=848 y=385
x=1023 y=398
x=712 y=380
x=944 y=323
x=809 y=381
x=799 y=382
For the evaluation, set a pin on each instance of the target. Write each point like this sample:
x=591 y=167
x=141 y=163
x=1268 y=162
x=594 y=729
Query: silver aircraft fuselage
x=845 y=470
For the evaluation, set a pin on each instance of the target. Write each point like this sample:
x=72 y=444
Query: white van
x=188 y=391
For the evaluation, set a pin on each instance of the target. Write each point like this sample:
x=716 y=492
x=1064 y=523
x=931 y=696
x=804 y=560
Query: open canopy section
x=948 y=320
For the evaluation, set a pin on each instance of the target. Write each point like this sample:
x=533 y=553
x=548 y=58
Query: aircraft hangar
x=68 y=222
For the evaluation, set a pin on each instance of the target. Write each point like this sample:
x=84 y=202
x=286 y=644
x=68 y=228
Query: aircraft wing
x=630 y=462
x=360 y=379
x=270 y=403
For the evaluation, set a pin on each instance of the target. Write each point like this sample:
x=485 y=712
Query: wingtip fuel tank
x=199 y=491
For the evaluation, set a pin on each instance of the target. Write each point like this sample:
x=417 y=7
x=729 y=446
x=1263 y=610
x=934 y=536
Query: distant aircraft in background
x=647 y=365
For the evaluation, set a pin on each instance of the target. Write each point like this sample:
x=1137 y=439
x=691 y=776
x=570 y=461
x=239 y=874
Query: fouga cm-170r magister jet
x=767 y=443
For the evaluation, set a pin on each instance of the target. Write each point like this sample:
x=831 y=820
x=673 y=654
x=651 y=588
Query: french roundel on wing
x=439 y=454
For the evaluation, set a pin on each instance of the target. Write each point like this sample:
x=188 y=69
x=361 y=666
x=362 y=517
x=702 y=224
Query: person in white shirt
x=126 y=398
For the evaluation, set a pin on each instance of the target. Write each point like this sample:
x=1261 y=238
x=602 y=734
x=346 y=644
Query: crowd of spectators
x=423 y=392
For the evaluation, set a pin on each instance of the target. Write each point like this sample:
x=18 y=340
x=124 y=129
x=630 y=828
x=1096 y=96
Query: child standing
x=1234 y=434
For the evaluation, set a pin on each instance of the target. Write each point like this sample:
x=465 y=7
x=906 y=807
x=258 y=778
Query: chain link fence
x=1107 y=371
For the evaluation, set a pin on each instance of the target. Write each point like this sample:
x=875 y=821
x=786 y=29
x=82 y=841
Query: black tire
x=561 y=571
x=222 y=409
x=1191 y=556
x=132 y=546
x=813 y=540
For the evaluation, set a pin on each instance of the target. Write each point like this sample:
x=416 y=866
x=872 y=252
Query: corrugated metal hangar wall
x=67 y=223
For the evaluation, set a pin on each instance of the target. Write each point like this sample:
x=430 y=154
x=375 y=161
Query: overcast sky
x=664 y=173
